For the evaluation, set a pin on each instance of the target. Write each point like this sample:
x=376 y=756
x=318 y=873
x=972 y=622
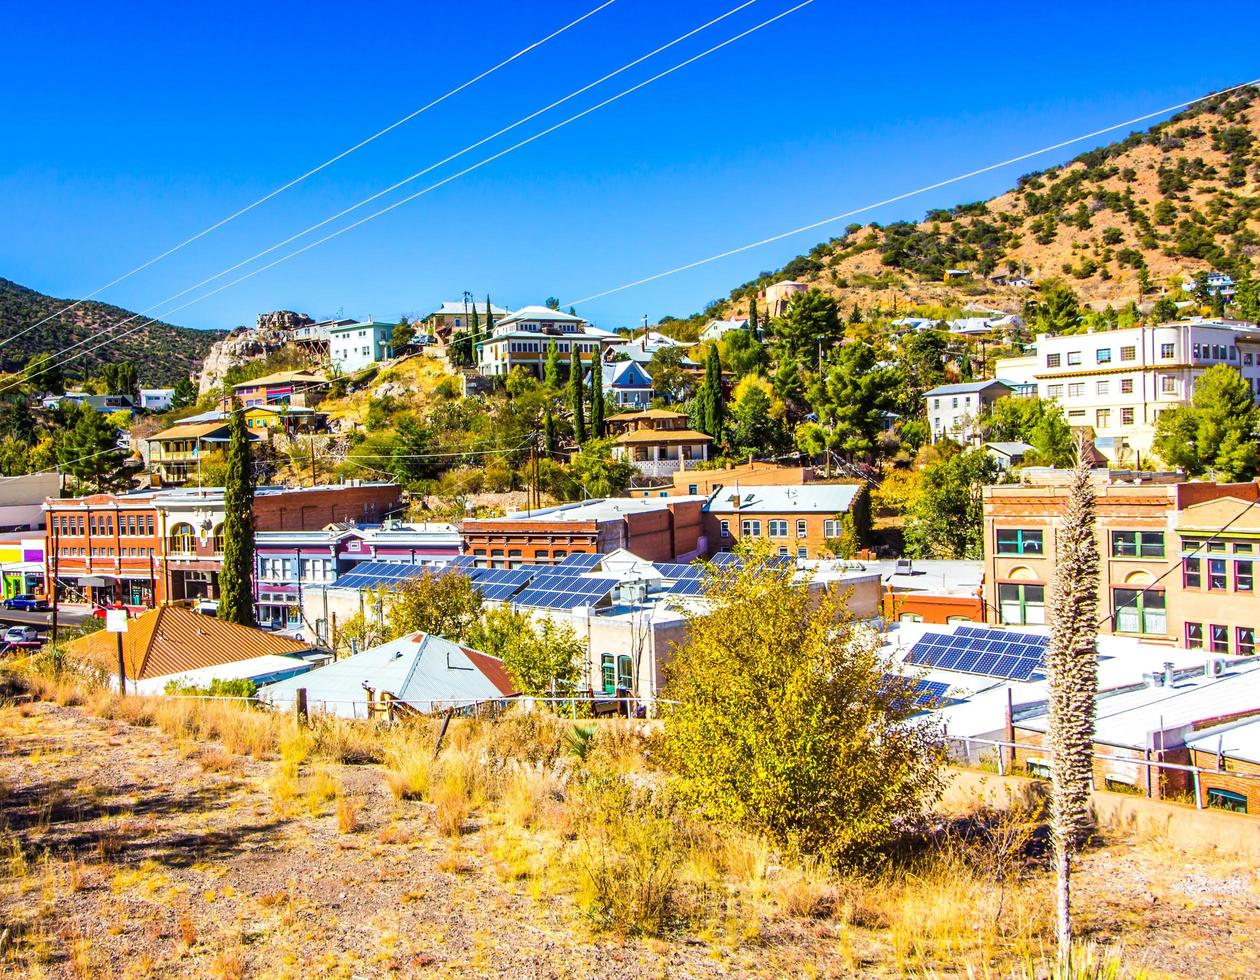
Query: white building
x=156 y=399
x=644 y=347
x=525 y=338
x=954 y=410
x=717 y=329
x=1119 y=381
x=354 y=346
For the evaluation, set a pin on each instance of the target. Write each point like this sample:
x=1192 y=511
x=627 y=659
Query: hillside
x=1116 y=223
x=164 y=353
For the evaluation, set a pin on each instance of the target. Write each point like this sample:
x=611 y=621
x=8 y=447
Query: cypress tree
x=489 y=317
x=236 y=581
x=551 y=371
x=597 y=402
x=752 y=315
x=577 y=395
x=474 y=321
x=714 y=414
x=549 y=432
x=1072 y=672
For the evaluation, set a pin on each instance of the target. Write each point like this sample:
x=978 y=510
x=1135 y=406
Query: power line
x=430 y=188
x=310 y=173
x=901 y=197
x=406 y=180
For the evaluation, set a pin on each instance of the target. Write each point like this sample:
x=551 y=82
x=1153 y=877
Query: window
x=1192 y=573
x=1102 y=418
x=1220 y=638
x=1194 y=636
x=1074 y=357
x=783 y=552
x=802 y=552
x=1126 y=386
x=1022 y=605
x=1217 y=580
x=725 y=528
x=608 y=672
x=1102 y=388
x=778 y=529
x=802 y=529
x=937 y=402
x=1128 y=353
x=1244 y=576
x=1052 y=360
x=691 y=489
x=1054 y=391
x=1224 y=799
x=1076 y=390
x=831 y=529
x=1246 y=636
x=1138 y=611
x=1137 y=544
x=1168 y=384
x=1126 y=416
x=1167 y=351
x=183 y=540
x=218 y=539
x=1019 y=541
x=1103 y=355
x=751 y=528
x=625 y=674
x=955 y=403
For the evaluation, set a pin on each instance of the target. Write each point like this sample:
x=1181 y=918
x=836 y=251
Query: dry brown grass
x=347 y=813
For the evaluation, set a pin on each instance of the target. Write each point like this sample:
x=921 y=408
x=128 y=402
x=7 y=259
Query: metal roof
x=812 y=498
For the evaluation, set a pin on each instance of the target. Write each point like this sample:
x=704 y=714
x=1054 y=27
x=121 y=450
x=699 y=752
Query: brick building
x=751 y=474
x=1146 y=524
x=669 y=529
x=800 y=521
x=153 y=546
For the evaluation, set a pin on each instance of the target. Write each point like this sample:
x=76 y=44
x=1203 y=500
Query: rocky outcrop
x=282 y=321
x=246 y=344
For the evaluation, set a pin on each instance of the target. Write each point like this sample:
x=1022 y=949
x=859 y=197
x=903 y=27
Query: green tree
x=1164 y=310
x=666 y=370
x=710 y=409
x=788 y=381
x=1051 y=439
x=549 y=432
x=236 y=581
x=752 y=316
x=577 y=395
x=551 y=370
x=444 y=605
x=403 y=333
x=1072 y=673
x=1247 y=299
x=754 y=427
x=552 y=303
x=807 y=741
x=489 y=316
x=810 y=327
x=90 y=453
x=852 y=397
x=1057 y=311
x=542 y=658
x=17 y=421
x=1216 y=431
x=460 y=349
x=744 y=354
x=120 y=379
x=185 y=394
x=43 y=373
x=597 y=401
x=474 y=321
x=947 y=518
x=598 y=472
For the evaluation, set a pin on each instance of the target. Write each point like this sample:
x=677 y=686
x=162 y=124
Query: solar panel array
x=675 y=571
x=688 y=586
x=565 y=591
x=582 y=562
x=462 y=561
x=499 y=583
x=980 y=650
x=924 y=694
x=373 y=574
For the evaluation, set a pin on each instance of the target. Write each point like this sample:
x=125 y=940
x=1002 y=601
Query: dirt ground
x=129 y=854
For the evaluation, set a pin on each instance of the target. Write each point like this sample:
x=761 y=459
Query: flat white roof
x=599 y=509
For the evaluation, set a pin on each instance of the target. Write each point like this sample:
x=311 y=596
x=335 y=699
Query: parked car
x=99 y=611
x=31 y=603
x=20 y=634
x=207 y=607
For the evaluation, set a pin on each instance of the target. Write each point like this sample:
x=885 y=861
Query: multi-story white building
x=354 y=346
x=954 y=410
x=1119 y=381
x=525 y=338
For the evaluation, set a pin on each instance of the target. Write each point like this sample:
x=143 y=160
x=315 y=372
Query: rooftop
x=966 y=388
x=598 y=509
x=527 y=313
x=814 y=498
x=662 y=435
x=189 y=430
x=282 y=377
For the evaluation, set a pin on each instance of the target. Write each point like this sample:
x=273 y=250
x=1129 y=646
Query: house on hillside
x=798 y=521
x=451 y=318
x=355 y=346
x=427 y=673
x=171 y=643
x=176 y=453
x=953 y=411
x=657 y=442
x=526 y=337
x=627 y=382
x=281 y=388
x=717 y=329
x=156 y=399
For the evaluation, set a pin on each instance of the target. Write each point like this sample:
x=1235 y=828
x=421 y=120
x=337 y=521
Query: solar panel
x=565 y=591
x=724 y=558
x=982 y=650
x=581 y=561
x=674 y=570
x=687 y=586
x=373 y=574
x=462 y=561
x=924 y=694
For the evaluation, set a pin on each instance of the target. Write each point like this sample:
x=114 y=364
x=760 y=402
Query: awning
x=22 y=568
x=96 y=581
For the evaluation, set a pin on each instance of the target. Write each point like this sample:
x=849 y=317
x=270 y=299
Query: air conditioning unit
x=1215 y=667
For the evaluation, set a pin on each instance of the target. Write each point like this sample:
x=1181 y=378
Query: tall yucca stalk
x=1072 y=669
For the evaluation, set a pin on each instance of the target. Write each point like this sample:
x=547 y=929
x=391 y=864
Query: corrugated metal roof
x=966 y=388
x=818 y=498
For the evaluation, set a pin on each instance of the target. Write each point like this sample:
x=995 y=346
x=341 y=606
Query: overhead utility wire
x=902 y=197
x=431 y=187
x=393 y=187
x=310 y=173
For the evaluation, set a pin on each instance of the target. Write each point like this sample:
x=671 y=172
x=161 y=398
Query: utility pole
x=313 y=460
x=52 y=583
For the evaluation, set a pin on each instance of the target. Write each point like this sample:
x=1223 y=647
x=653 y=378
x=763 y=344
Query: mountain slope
x=163 y=353
x=1180 y=198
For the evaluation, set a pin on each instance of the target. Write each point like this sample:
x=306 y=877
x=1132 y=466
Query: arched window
x=183 y=540
x=218 y=539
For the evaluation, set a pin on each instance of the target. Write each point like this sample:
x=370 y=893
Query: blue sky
x=130 y=126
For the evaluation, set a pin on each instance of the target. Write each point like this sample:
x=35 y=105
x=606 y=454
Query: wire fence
x=959 y=749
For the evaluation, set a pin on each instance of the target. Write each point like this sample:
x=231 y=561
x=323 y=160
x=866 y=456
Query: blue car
x=29 y=603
